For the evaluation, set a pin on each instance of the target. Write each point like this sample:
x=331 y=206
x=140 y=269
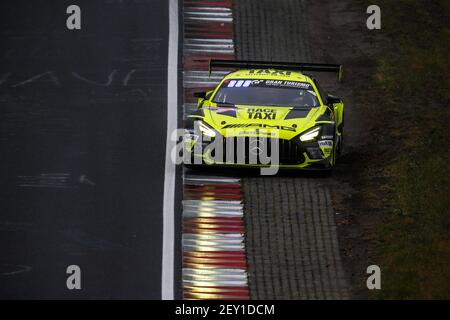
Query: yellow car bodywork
x=262 y=121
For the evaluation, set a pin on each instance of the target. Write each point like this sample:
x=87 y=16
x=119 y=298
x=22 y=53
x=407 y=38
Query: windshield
x=266 y=93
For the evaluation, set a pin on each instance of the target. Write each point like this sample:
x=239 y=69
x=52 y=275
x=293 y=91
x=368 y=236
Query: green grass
x=415 y=85
x=416 y=247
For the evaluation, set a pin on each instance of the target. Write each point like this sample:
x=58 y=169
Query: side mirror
x=201 y=95
x=333 y=99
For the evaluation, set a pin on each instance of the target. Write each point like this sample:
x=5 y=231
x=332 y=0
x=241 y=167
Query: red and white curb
x=214 y=259
x=208 y=34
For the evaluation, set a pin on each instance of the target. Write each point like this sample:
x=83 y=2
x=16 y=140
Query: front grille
x=290 y=152
x=239 y=150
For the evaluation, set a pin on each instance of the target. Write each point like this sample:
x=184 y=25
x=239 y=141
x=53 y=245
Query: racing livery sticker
x=326 y=143
x=326 y=146
x=260 y=125
x=288 y=84
x=261 y=113
x=270 y=72
x=239 y=83
x=245 y=83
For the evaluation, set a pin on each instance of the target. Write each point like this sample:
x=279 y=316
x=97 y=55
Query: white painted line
x=235 y=243
x=209 y=214
x=203 y=40
x=209 y=46
x=189 y=8
x=208 y=19
x=195 y=283
x=192 y=209
x=214 y=203
x=192 y=79
x=221 y=14
x=212 y=236
x=213 y=278
x=191 y=240
x=216 y=247
x=168 y=250
x=222 y=51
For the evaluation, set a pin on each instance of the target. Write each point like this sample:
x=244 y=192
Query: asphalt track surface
x=82 y=148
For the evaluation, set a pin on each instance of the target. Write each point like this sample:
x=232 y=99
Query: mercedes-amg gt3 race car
x=270 y=101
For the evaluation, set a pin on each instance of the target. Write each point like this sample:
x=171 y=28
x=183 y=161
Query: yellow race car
x=267 y=110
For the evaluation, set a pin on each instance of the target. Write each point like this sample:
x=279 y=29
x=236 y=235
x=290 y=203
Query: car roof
x=268 y=74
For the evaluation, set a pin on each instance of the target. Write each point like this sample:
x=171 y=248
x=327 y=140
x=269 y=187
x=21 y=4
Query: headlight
x=206 y=130
x=310 y=134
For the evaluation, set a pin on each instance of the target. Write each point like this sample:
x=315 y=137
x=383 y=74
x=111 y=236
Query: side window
x=322 y=93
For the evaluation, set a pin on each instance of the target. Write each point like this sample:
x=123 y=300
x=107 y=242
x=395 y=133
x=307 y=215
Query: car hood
x=245 y=120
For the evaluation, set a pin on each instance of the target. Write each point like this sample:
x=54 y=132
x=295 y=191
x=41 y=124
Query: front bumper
x=314 y=155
